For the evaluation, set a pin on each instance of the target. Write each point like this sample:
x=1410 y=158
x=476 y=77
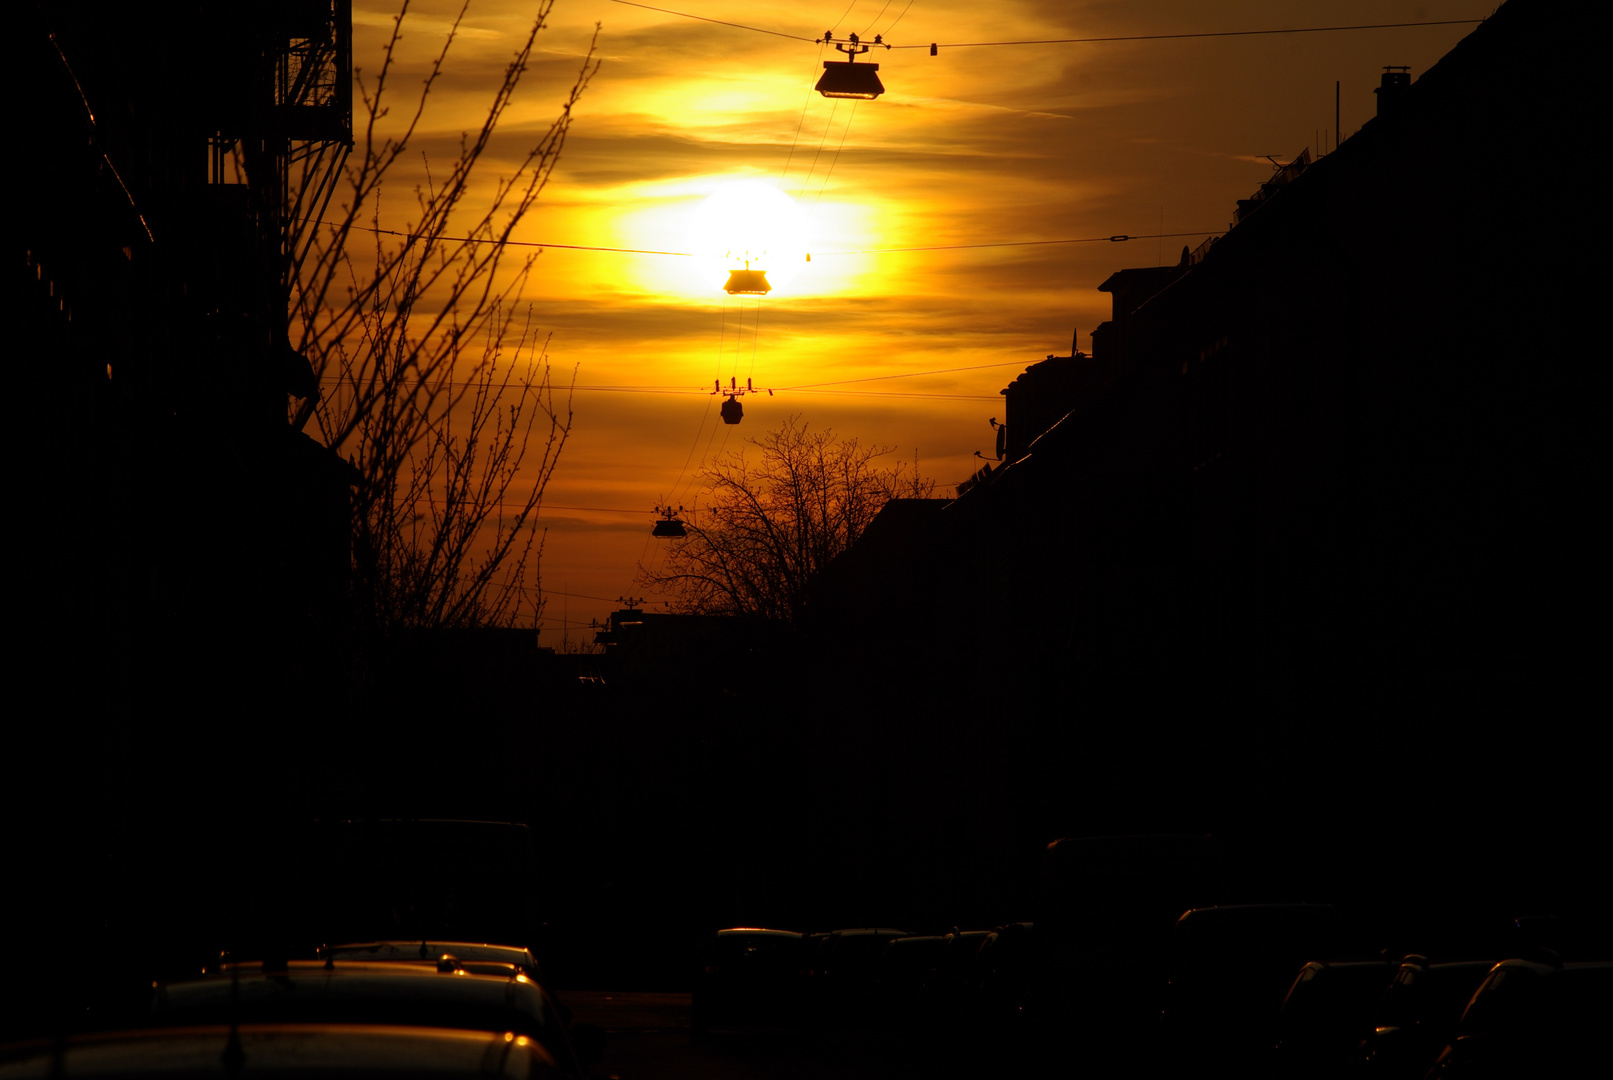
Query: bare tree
x=435 y=386
x=772 y=522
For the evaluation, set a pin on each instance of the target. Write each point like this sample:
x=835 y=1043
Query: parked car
x=951 y=997
x=1417 y=1016
x=1105 y=908
x=1532 y=1018
x=289 y=1050
x=1324 y=1015
x=841 y=978
x=1003 y=976
x=748 y=975
x=1230 y=968
x=476 y=957
x=313 y=992
x=904 y=976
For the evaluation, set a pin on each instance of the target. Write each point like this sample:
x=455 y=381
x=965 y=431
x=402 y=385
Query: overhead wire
x=690 y=457
x=1073 y=41
x=1178 y=37
x=665 y=389
x=95 y=137
x=801 y=121
x=755 y=336
x=649 y=539
x=905 y=375
x=1112 y=238
x=898 y=18
x=834 y=107
x=902 y=393
x=719 y=22
x=518 y=243
x=834 y=160
x=705 y=413
x=1116 y=238
x=843 y=15
x=581 y=596
x=876 y=18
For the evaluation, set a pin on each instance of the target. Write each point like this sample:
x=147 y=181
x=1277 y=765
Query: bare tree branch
x=438 y=389
x=770 y=527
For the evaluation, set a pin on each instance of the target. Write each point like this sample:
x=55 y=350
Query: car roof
x=757 y=932
x=338 y=980
x=871 y=931
x=380 y=993
x=430 y=951
x=303 y=1050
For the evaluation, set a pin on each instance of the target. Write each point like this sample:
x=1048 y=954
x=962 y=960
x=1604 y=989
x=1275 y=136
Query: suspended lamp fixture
x=747 y=282
x=669 y=526
x=847 y=78
x=732 y=411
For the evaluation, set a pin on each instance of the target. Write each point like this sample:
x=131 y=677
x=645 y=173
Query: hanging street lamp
x=847 y=78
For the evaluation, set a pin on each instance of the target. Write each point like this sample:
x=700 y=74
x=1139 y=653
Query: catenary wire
x=881 y=14
x=1178 y=37
x=719 y=22
x=902 y=393
x=898 y=18
x=518 y=243
x=1113 y=238
x=905 y=375
x=1077 y=41
x=800 y=123
x=843 y=15
x=1117 y=238
x=833 y=160
x=673 y=389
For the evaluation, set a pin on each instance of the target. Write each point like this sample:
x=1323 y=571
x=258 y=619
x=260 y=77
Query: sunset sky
x=974 y=146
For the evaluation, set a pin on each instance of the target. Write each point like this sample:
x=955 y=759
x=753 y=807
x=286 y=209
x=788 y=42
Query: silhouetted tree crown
x=774 y=518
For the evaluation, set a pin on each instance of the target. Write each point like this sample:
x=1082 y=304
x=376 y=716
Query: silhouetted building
x=1328 y=490
x=167 y=152
x=183 y=602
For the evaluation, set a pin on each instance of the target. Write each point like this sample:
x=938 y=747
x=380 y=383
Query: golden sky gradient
x=985 y=145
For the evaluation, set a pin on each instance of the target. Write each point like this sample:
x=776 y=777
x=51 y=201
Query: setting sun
x=749 y=224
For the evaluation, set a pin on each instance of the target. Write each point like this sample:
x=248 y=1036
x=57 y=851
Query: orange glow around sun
x=749 y=224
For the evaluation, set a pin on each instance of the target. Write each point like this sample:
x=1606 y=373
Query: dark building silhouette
x=1314 y=542
x=184 y=554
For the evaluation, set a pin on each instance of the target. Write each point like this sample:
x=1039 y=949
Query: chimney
x=1392 y=88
